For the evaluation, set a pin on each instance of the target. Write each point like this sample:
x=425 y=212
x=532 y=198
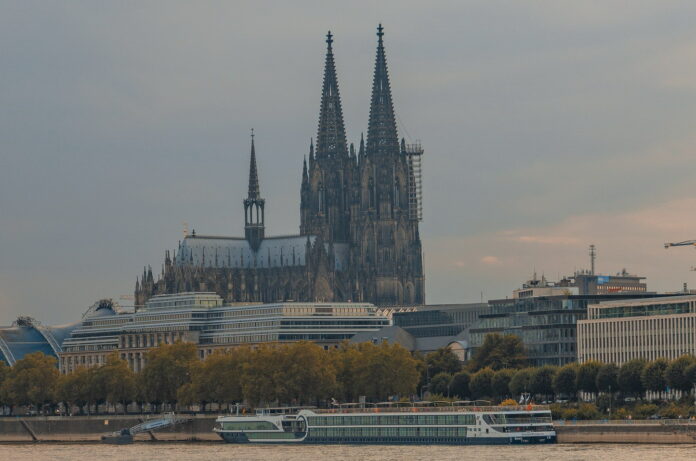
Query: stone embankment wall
x=91 y=428
x=626 y=433
x=200 y=428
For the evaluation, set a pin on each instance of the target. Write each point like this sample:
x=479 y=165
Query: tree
x=440 y=384
x=690 y=373
x=116 y=380
x=73 y=388
x=541 y=380
x=676 y=375
x=168 y=368
x=520 y=381
x=498 y=352
x=345 y=360
x=218 y=378
x=442 y=360
x=460 y=385
x=306 y=372
x=33 y=380
x=586 y=380
x=565 y=380
x=385 y=370
x=653 y=376
x=480 y=385
x=500 y=383
x=629 y=378
x=262 y=379
x=607 y=378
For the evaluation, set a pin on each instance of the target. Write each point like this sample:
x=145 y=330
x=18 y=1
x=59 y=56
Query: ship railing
x=415 y=407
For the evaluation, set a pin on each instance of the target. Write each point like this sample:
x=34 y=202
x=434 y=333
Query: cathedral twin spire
x=331 y=135
x=382 y=136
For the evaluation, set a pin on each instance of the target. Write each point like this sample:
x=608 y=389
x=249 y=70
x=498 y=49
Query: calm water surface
x=221 y=452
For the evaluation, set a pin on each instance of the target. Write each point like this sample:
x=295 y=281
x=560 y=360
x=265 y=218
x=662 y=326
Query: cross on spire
x=329 y=38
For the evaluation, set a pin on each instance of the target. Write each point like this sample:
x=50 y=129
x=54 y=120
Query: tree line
x=301 y=373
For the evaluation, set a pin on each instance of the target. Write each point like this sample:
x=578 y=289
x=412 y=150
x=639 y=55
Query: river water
x=223 y=452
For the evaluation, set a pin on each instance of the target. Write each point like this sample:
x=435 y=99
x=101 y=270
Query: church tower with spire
x=386 y=236
x=325 y=200
x=254 y=215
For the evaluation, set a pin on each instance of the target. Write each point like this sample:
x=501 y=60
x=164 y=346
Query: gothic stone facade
x=358 y=239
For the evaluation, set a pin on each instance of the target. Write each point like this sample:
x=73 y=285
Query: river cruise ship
x=454 y=424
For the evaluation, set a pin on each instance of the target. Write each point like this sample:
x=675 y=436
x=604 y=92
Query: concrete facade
x=619 y=331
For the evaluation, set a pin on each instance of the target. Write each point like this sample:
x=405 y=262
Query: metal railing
x=622 y=422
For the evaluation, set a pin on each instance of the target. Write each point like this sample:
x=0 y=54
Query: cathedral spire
x=382 y=138
x=254 y=216
x=331 y=136
x=254 y=191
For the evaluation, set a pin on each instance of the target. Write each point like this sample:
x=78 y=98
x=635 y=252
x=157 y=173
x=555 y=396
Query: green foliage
x=653 y=376
x=565 y=380
x=442 y=360
x=168 y=368
x=586 y=379
x=607 y=378
x=541 y=380
x=32 y=380
x=587 y=411
x=440 y=384
x=117 y=380
x=500 y=383
x=676 y=375
x=690 y=373
x=480 y=385
x=385 y=370
x=521 y=381
x=460 y=385
x=629 y=378
x=645 y=410
x=498 y=352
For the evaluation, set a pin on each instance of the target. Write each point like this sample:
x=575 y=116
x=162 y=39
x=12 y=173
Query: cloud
x=490 y=260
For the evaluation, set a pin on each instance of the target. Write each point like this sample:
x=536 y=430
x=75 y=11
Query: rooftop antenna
x=593 y=256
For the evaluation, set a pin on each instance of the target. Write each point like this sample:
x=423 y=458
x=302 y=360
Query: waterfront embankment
x=200 y=428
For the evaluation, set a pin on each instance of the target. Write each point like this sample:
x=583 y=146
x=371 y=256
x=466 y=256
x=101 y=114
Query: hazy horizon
x=547 y=127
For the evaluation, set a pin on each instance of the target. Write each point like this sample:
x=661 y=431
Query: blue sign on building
x=602 y=279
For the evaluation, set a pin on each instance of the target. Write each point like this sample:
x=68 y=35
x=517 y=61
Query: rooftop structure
x=428 y=328
x=27 y=335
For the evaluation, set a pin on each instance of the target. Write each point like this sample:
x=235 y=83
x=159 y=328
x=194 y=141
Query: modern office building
x=428 y=328
x=544 y=315
x=619 y=331
x=203 y=319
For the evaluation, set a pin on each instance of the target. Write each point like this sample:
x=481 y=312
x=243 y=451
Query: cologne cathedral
x=359 y=215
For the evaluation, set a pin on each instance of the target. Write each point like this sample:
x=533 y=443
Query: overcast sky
x=547 y=126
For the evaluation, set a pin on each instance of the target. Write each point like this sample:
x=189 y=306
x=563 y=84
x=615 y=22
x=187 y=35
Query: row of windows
x=374 y=432
x=395 y=420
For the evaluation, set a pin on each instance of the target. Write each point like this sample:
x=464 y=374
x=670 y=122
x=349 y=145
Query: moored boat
x=455 y=424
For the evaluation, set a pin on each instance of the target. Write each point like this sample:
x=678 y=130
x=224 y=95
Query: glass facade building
x=547 y=325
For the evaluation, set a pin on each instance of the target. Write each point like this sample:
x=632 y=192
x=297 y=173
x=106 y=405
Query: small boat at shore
x=455 y=424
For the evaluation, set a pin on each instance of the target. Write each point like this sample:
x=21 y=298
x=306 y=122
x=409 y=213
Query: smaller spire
x=305 y=177
x=361 y=152
x=329 y=39
x=253 y=172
